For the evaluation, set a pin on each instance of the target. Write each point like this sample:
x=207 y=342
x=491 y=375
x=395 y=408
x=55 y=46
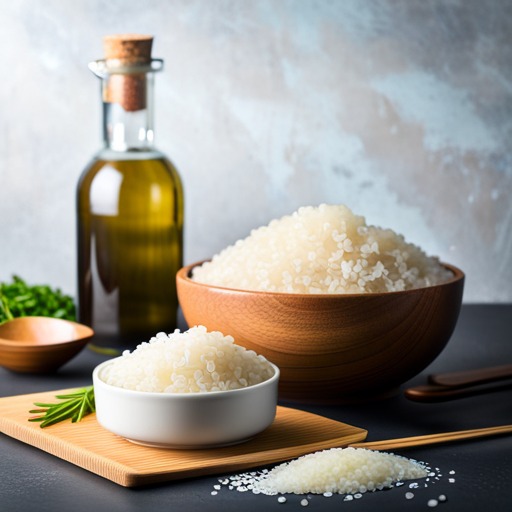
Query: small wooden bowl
x=36 y=344
x=332 y=348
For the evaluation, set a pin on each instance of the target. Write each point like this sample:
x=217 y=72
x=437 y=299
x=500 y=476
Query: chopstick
x=431 y=393
x=407 y=442
x=472 y=377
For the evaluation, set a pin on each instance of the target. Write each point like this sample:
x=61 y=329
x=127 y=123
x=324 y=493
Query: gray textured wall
x=400 y=109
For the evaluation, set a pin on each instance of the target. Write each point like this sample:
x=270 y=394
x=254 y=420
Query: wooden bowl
x=332 y=348
x=36 y=344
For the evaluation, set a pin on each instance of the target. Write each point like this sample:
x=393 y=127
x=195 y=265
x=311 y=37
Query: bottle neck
x=128 y=118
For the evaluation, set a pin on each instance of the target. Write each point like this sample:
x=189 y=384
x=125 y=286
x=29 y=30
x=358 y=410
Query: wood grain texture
x=89 y=446
x=332 y=348
x=35 y=344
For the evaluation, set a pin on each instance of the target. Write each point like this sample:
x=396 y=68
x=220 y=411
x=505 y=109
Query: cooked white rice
x=189 y=362
x=339 y=470
x=324 y=249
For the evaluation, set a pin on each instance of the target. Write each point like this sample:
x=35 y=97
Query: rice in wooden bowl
x=347 y=311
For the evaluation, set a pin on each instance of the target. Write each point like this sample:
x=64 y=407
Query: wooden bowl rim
x=184 y=275
x=44 y=346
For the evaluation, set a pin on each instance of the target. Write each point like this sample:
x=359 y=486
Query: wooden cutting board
x=91 y=447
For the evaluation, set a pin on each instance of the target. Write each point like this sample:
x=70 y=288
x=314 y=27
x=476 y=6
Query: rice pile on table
x=339 y=470
x=189 y=362
x=324 y=249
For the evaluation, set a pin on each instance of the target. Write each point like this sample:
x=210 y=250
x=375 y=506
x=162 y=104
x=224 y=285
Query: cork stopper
x=128 y=49
x=122 y=52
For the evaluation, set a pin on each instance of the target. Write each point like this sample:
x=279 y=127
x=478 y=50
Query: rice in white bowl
x=188 y=362
x=324 y=249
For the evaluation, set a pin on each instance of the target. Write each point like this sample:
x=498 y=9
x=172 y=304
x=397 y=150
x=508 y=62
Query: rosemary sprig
x=75 y=406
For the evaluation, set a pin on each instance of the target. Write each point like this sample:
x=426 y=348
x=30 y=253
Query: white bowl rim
x=180 y=396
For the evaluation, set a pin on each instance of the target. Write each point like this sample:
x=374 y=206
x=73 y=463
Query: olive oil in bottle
x=129 y=210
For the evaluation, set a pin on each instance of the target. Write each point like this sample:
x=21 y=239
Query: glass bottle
x=129 y=210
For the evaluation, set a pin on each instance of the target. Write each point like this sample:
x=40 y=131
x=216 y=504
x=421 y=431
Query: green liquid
x=130 y=246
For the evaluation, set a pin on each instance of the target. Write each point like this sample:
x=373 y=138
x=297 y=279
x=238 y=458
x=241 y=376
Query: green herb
x=19 y=299
x=75 y=406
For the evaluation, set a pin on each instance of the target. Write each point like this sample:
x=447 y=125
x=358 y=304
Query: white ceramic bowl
x=185 y=420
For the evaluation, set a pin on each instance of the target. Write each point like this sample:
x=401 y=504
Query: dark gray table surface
x=32 y=480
